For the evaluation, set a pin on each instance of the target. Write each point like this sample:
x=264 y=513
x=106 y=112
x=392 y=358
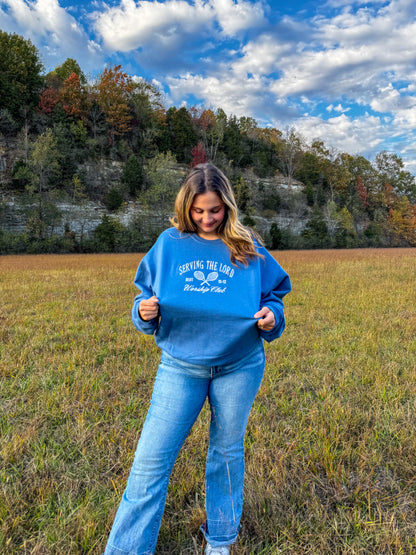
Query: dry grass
x=331 y=443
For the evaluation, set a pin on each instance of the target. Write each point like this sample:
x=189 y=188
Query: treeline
x=60 y=121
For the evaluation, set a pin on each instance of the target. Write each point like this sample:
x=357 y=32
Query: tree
x=211 y=128
x=44 y=168
x=159 y=197
x=65 y=70
x=231 y=142
x=48 y=100
x=74 y=98
x=20 y=74
x=199 y=156
x=182 y=133
x=316 y=232
x=132 y=175
x=291 y=153
x=402 y=221
x=331 y=218
x=113 y=93
x=361 y=191
x=81 y=210
x=145 y=103
x=391 y=170
x=242 y=194
x=108 y=233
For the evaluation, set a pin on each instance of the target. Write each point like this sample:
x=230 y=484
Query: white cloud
x=234 y=17
x=359 y=52
x=130 y=26
x=220 y=91
x=262 y=56
x=53 y=30
x=356 y=136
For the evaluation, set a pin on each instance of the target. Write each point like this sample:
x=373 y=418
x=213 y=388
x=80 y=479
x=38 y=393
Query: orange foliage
x=48 y=100
x=402 y=220
x=73 y=97
x=114 y=90
x=361 y=191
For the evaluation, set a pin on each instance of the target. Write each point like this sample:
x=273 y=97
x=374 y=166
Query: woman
x=209 y=293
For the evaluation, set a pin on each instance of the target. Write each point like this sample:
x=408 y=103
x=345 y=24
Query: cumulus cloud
x=132 y=25
x=352 y=135
x=346 y=74
x=234 y=17
x=354 y=56
x=52 y=29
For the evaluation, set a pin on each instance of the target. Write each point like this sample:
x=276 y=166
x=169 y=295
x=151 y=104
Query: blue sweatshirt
x=207 y=304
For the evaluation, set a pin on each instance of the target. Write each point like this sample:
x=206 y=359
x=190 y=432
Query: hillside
x=93 y=166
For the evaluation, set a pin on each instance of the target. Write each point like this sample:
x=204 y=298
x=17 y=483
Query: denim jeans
x=179 y=394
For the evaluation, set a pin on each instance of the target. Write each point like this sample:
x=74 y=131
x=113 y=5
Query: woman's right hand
x=149 y=308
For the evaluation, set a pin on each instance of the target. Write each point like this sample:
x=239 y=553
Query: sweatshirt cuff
x=145 y=326
x=277 y=330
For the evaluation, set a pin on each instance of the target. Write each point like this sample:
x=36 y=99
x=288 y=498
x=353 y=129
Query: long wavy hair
x=238 y=238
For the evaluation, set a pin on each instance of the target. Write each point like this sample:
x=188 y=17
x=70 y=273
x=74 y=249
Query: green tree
x=391 y=170
x=65 y=70
x=316 y=232
x=182 y=133
x=108 y=234
x=145 y=103
x=132 y=176
x=231 y=142
x=163 y=186
x=242 y=194
x=20 y=75
x=44 y=169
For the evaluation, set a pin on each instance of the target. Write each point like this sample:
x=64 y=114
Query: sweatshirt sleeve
x=144 y=282
x=275 y=284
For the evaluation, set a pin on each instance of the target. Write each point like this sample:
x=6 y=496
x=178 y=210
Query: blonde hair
x=238 y=238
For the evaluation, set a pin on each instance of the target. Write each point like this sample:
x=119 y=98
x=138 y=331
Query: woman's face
x=207 y=213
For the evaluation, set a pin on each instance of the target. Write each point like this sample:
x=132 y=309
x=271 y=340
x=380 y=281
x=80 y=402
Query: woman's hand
x=149 y=308
x=267 y=319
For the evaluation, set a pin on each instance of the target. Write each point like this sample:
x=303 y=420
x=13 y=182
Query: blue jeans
x=178 y=396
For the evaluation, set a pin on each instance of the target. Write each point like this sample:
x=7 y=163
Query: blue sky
x=342 y=71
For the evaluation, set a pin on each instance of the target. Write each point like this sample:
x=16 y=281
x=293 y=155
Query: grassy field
x=331 y=442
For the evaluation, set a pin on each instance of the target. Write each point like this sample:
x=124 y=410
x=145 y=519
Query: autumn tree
x=361 y=191
x=401 y=221
x=48 y=100
x=211 y=128
x=65 y=70
x=113 y=93
x=73 y=96
x=199 y=156
x=391 y=170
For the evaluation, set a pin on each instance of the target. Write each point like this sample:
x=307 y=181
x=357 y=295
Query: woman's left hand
x=267 y=319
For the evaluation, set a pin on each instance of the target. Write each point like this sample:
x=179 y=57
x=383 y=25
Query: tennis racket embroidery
x=210 y=277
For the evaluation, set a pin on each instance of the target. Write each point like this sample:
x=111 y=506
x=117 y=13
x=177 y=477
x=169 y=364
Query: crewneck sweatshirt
x=207 y=304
